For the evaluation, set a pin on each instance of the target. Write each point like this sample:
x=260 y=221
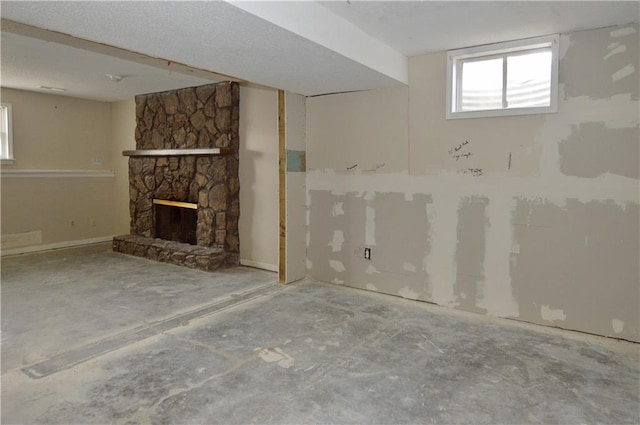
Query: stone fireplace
x=185 y=170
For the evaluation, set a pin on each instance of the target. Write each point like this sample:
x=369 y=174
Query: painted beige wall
x=354 y=138
x=540 y=223
x=58 y=133
x=258 y=225
x=123 y=126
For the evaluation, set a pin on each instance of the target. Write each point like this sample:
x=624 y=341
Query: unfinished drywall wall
x=537 y=220
x=60 y=186
x=295 y=187
x=123 y=126
x=258 y=225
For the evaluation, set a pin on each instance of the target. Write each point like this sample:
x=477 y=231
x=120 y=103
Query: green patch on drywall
x=296 y=161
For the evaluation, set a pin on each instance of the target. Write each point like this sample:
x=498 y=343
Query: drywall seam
x=498 y=298
x=443 y=221
x=370 y=226
x=555 y=189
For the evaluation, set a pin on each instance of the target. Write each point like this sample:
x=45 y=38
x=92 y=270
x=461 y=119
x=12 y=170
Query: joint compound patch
x=617 y=325
x=337 y=241
x=371 y=287
x=552 y=315
x=406 y=266
x=622 y=73
x=619 y=49
x=406 y=292
x=371 y=269
x=337 y=265
x=622 y=32
x=370 y=226
x=338 y=209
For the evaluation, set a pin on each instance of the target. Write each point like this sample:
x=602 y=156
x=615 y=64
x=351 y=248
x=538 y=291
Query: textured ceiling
x=81 y=72
x=215 y=36
x=304 y=47
x=417 y=27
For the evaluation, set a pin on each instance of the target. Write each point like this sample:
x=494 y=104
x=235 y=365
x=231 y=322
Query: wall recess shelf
x=179 y=152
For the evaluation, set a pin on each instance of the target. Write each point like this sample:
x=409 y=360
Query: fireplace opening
x=176 y=221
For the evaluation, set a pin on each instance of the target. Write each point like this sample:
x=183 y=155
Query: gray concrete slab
x=303 y=353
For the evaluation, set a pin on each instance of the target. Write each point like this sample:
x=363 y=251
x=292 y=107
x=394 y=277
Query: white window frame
x=7 y=142
x=489 y=51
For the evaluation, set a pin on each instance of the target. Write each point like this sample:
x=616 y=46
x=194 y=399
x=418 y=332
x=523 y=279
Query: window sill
x=502 y=112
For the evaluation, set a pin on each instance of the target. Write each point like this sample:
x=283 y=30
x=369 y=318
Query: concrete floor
x=91 y=336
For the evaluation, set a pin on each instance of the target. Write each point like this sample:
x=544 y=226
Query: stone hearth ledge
x=181 y=254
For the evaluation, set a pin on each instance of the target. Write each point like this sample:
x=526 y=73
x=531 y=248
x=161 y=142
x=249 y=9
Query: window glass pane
x=3 y=118
x=529 y=80
x=481 y=85
x=3 y=133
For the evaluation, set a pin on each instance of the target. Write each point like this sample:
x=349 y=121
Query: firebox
x=176 y=221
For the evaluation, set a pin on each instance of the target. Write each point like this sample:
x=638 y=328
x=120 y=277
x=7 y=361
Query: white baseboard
x=58 y=245
x=259 y=265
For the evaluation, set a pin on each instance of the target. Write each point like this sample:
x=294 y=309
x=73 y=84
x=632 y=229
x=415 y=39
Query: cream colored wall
x=61 y=134
x=364 y=131
x=258 y=225
x=58 y=132
x=123 y=126
x=540 y=223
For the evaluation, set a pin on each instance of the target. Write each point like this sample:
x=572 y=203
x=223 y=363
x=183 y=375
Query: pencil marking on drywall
x=509 y=166
x=457 y=153
x=352 y=167
x=476 y=172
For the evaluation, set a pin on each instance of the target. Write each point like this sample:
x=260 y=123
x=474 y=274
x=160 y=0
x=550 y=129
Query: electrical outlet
x=367 y=253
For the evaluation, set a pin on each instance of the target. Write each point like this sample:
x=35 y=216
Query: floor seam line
x=96 y=349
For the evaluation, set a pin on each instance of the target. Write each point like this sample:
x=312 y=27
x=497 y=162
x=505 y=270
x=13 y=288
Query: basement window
x=511 y=78
x=6 y=140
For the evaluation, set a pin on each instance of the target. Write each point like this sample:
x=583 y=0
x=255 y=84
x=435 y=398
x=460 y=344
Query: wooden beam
x=282 y=169
x=179 y=152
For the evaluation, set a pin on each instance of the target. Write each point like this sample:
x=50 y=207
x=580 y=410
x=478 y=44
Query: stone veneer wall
x=198 y=117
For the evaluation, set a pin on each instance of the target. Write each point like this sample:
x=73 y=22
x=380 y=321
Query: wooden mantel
x=179 y=152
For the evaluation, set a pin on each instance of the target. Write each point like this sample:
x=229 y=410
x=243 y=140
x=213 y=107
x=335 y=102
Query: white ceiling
x=418 y=27
x=82 y=73
x=305 y=47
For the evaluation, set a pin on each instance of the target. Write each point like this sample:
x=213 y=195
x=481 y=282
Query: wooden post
x=282 y=169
